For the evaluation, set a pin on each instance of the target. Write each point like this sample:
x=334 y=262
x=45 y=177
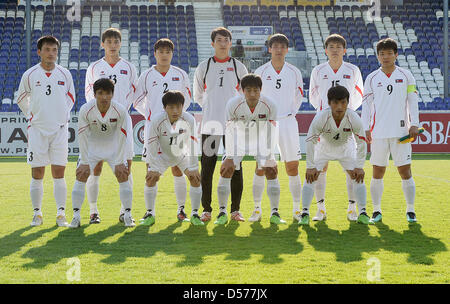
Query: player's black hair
x=220 y=31
x=173 y=97
x=251 y=80
x=104 y=84
x=47 y=39
x=111 y=33
x=387 y=44
x=164 y=43
x=336 y=38
x=338 y=93
x=280 y=38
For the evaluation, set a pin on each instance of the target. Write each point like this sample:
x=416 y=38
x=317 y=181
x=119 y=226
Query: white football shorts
x=381 y=148
x=47 y=150
x=289 y=140
x=346 y=155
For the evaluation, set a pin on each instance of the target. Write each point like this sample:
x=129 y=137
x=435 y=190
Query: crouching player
x=249 y=131
x=102 y=136
x=170 y=143
x=335 y=126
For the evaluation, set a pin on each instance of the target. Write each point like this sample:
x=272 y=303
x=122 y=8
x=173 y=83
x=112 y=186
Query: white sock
x=60 y=194
x=126 y=195
x=92 y=188
x=376 y=192
x=307 y=196
x=273 y=192
x=223 y=192
x=78 y=197
x=350 y=188
x=36 y=193
x=295 y=185
x=150 y=198
x=319 y=188
x=361 y=196
x=130 y=180
x=259 y=183
x=179 y=184
x=195 y=193
x=409 y=190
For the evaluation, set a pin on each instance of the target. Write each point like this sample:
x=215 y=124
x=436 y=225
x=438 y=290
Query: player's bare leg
x=295 y=186
x=409 y=190
x=60 y=194
x=259 y=183
x=36 y=194
x=319 y=190
x=376 y=192
x=92 y=189
x=179 y=184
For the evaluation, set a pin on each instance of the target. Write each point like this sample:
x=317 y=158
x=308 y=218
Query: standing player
x=46 y=96
x=323 y=77
x=283 y=83
x=335 y=126
x=152 y=85
x=252 y=116
x=102 y=136
x=124 y=76
x=390 y=111
x=216 y=81
x=171 y=143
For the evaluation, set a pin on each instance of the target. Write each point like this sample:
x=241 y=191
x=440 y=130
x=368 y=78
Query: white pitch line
x=434 y=178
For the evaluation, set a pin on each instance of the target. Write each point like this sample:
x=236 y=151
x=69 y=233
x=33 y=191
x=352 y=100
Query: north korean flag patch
x=113 y=120
x=398 y=80
x=124 y=72
x=346 y=76
x=175 y=78
x=61 y=83
x=261 y=116
x=346 y=130
x=230 y=69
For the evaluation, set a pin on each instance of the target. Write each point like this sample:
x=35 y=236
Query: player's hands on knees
x=121 y=172
x=193 y=176
x=227 y=168
x=413 y=132
x=311 y=175
x=83 y=172
x=358 y=174
x=369 y=136
x=152 y=177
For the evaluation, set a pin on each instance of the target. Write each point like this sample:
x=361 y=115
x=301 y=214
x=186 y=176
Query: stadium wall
x=13 y=133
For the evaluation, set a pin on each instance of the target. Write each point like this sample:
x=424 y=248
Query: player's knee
x=38 y=172
x=292 y=168
x=405 y=172
x=271 y=173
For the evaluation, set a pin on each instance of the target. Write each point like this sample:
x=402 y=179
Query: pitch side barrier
x=13 y=133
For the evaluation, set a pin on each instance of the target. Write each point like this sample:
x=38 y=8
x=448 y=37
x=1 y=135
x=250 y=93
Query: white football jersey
x=336 y=136
x=123 y=74
x=152 y=85
x=284 y=87
x=323 y=77
x=172 y=144
x=215 y=83
x=390 y=104
x=46 y=97
x=248 y=131
x=102 y=137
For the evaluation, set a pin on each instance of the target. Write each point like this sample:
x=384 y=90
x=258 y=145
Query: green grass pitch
x=335 y=251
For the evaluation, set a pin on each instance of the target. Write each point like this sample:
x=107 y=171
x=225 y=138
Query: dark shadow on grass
x=192 y=245
x=12 y=242
x=348 y=245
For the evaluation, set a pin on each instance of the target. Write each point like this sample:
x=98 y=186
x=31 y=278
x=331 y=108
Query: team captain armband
x=412 y=88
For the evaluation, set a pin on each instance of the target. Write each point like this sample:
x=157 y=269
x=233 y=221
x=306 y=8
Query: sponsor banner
x=277 y=2
x=35 y=2
x=251 y=35
x=140 y=2
x=240 y=2
x=313 y=2
x=353 y=2
x=13 y=133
